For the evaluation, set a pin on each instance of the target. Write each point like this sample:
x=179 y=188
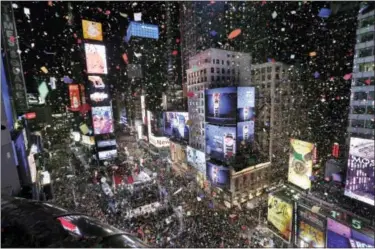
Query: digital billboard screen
x=300 y=163
x=96 y=60
x=311 y=229
x=108 y=154
x=219 y=176
x=220 y=142
x=155 y=124
x=280 y=217
x=197 y=159
x=143 y=30
x=360 y=173
x=245 y=132
x=92 y=30
x=75 y=100
x=102 y=119
x=175 y=125
x=342 y=236
x=220 y=105
x=245 y=103
x=107 y=143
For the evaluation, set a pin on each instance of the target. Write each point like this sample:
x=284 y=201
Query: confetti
x=312 y=54
x=274 y=15
x=347 y=76
x=175 y=52
x=324 y=13
x=124 y=15
x=213 y=33
x=316 y=75
x=44 y=69
x=368 y=81
x=234 y=34
x=125 y=58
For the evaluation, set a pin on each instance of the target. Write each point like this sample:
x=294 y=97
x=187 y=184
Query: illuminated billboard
x=108 y=154
x=245 y=103
x=107 y=143
x=280 y=217
x=311 y=229
x=300 y=163
x=102 y=119
x=96 y=82
x=219 y=176
x=153 y=125
x=142 y=30
x=96 y=61
x=175 y=125
x=342 y=236
x=143 y=108
x=178 y=153
x=360 y=173
x=92 y=30
x=220 y=142
x=89 y=140
x=75 y=100
x=197 y=159
x=245 y=132
x=220 y=105
x=98 y=97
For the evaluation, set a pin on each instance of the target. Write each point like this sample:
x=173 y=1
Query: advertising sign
x=89 y=140
x=155 y=124
x=75 y=102
x=108 y=154
x=159 y=141
x=83 y=94
x=220 y=142
x=245 y=103
x=220 y=105
x=197 y=159
x=107 y=143
x=219 y=176
x=175 y=125
x=280 y=217
x=178 y=153
x=143 y=108
x=92 y=30
x=300 y=163
x=97 y=82
x=310 y=229
x=98 y=96
x=139 y=131
x=96 y=61
x=155 y=127
x=32 y=167
x=245 y=132
x=360 y=174
x=13 y=58
x=102 y=120
x=142 y=30
x=342 y=236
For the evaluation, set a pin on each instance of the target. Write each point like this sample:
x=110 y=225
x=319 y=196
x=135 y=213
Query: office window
x=223 y=78
x=370 y=95
x=370 y=124
x=223 y=71
x=360 y=96
x=213 y=61
x=370 y=109
x=366 y=37
x=217 y=61
x=365 y=52
x=205 y=78
x=217 y=78
x=217 y=70
x=366 y=67
x=365 y=81
x=228 y=71
x=212 y=70
x=368 y=21
x=263 y=77
x=212 y=78
x=269 y=69
x=222 y=62
x=205 y=71
x=263 y=70
x=268 y=76
x=228 y=63
x=359 y=109
x=277 y=69
x=358 y=123
x=233 y=71
x=277 y=76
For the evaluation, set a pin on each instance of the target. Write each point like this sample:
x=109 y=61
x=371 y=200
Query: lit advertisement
x=310 y=229
x=89 y=140
x=220 y=142
x=108 y=154
x=102 y=120
x=96 y=61
x=342 y=236
x=175 y=125
x=75 y=102
x=245 y=132
x=97 y=82
x=107 y=143
x=152 y=128
x=280 y=217
x=155 y=124
x=300 y=163
x=92 y=30
x=219 y=176
x=98 y=96
x=220 y=105
x=197 y=159
x=143 y=30
x=178 y=153
x=245 y=103
x=143 y=108
x=360 y=173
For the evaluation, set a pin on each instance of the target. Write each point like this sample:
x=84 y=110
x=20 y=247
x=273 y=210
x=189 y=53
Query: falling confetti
x=274 y=14
x=124 y=15
x=44 y=69
x=125 y=58
x=324 y=13
x=316 y=75
x=175 y=52
x=234 y=34
x=213 y=33
x=347 y=76
x=312 y=54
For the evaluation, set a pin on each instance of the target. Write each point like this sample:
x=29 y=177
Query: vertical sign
x=13 y=58
x=75 y=102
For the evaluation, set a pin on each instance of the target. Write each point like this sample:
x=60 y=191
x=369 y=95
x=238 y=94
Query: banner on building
x=75 y=102
x=280 y=217
x=92 y=30
x=13 y=58
x=300 y=163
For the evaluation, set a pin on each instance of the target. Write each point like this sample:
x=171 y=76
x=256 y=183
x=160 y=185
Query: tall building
x=361 y=115
x=212 y=68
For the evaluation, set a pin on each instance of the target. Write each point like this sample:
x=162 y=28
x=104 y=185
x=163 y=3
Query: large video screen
x=245 y=132
x=220 y=142
x=175 y=125
x=245 y=104
x=155 y=124
x=197 y=159
x=102 y=120
x=221 y=105
x=96 y=60
x=311 y=229
x=92 y=30
x=342 y=236
x=219 y=176
x=300 y=163
x=360 y=172
x=108 y=154
x=280 y=217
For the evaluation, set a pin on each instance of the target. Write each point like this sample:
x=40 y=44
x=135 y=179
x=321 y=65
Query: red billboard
x=75 y=101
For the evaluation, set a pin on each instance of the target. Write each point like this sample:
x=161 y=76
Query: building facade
x=212 y=68
x=361 y=116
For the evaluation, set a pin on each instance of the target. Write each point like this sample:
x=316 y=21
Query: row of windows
x=222 y=79
x=364 y=52
x=366 y=67
x=358 y=96
x=364 y=82
x=250 y=179
x=269 y=77
x=366 y=22
x=363 y=109
x=365 y=37
x=368 y=124
x=263 y=70
x=203 y=72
